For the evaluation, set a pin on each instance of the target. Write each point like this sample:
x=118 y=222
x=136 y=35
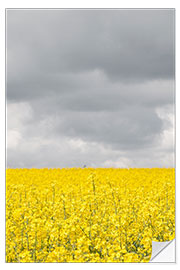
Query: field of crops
x=88 y=215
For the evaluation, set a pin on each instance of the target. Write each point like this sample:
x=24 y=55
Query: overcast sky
x=90 y=87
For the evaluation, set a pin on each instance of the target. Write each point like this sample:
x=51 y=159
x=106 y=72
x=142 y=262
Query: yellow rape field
x=88 y=215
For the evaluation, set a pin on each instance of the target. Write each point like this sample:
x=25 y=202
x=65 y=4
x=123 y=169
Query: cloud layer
x=92 y=87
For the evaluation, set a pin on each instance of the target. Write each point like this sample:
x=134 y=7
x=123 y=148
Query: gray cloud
x=124 y=44
x=129 y=129
x=101 y=79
